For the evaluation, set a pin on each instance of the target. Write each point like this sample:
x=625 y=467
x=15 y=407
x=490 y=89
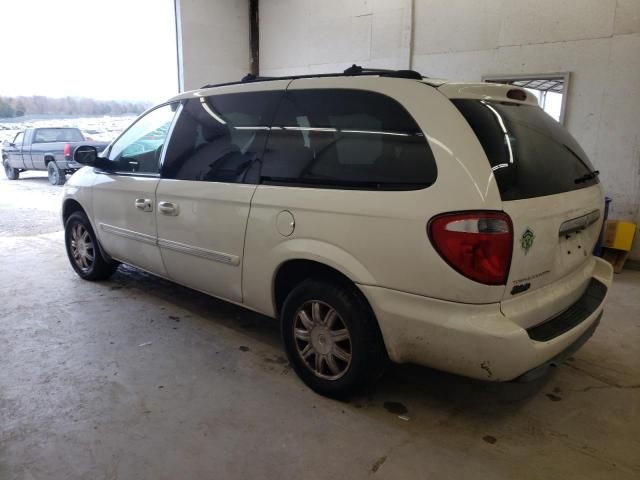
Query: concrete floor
x=137 y=378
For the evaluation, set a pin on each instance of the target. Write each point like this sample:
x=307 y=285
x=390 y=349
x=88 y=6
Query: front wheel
x=83 y=250
x=332 y=338
x=10 y=172
x=56 y=174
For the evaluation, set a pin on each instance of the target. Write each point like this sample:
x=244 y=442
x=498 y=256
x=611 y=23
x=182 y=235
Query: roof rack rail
x=353 y=70
x=358 y=70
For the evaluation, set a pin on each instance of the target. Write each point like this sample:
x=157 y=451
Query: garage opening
x=549 y=89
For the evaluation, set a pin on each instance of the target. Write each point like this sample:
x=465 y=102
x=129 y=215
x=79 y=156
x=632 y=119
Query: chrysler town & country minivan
x=379 y=215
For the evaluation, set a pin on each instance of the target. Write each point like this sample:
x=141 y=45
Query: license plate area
x=574 y=245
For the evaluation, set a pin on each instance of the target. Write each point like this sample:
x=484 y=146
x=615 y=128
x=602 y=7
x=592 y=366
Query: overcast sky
x=107 y=49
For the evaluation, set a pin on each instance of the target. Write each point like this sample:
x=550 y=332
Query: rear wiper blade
x=587 y=176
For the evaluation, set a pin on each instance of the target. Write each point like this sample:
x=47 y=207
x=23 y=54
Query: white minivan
x=379 y=215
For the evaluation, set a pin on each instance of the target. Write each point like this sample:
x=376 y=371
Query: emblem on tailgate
x=526 y=240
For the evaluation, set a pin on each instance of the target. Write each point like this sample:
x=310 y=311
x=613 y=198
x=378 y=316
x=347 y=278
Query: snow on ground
x=101 y=129
x=29 y=206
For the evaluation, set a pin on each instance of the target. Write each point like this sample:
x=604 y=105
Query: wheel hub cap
x=322 y=340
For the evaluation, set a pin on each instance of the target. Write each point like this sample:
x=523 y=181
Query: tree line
x=11 y=107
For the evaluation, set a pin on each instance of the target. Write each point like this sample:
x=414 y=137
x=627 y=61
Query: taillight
x=476 y=244
x=67 y=150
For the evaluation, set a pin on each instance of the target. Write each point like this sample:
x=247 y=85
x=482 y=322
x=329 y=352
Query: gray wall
x=598 y=41
x=213 y=41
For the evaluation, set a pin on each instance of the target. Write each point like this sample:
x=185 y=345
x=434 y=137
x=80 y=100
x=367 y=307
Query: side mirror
x=11 y=144
x=87 y=155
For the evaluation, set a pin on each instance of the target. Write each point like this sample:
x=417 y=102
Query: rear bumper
x=68 y=165
x=540 y=370
x=481 y=341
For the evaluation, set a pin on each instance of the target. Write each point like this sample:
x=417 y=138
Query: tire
x=83 y=250
x=56 y=174
x=322 y=335
x=10 y=172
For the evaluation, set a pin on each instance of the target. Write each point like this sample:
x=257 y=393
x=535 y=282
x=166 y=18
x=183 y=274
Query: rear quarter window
x=531 y=154
x=344 y=138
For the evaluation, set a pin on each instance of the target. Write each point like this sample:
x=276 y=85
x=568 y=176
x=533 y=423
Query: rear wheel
x=83 y=250
x=10 y=172
x=331 y=338
x=56 y=174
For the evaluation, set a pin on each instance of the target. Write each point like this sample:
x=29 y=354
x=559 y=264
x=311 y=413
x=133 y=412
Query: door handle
x=144 y=204
x=168 y=208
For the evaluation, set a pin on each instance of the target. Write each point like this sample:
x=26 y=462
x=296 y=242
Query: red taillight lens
x=476 y=244
x=67 y=150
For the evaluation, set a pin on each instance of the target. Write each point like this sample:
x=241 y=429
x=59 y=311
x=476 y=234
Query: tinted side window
x=531 y=154
x=217 y=138
x=344 y=138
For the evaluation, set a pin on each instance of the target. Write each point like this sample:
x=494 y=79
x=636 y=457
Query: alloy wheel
x=322 y=340
x=82 y=247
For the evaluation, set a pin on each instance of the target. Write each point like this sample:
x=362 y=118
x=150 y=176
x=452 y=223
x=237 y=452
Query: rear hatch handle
x=579 y=223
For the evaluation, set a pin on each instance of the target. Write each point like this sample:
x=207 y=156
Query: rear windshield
x=531 y=154
x=46 y=135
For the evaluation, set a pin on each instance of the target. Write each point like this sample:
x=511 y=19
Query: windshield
x=531 y=154
x=50 y=135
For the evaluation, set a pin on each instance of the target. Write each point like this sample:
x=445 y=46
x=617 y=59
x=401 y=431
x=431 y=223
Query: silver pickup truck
x=49 y=149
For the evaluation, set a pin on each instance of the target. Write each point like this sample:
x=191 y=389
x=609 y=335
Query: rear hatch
x=548 y=188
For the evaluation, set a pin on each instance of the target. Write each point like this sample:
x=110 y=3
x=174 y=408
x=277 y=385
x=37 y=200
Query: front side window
x=18 y=140
x=219 y=137
x=343 y=138
x=139 y=148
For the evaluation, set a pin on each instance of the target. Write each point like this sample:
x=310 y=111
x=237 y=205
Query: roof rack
x=353 y=70
x=358 y=70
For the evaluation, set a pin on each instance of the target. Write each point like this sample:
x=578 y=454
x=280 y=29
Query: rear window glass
x=531 y=154
x=342 y=138
x=45 y=135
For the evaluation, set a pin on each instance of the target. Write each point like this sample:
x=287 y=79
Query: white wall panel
x=627 y=18
x=213 y=41
x=305 y=36
x=547 y=21
x=456 y=25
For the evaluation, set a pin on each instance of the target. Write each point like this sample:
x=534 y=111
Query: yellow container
x=619 y=235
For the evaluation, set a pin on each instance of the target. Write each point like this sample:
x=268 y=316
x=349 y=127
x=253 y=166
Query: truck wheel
x=10 y=172
x=332 y=338
x=56 y=174
x=83 y=250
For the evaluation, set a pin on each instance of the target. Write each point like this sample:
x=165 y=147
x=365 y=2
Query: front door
x=14 y=151
x=209 y=176
x=124 y=196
